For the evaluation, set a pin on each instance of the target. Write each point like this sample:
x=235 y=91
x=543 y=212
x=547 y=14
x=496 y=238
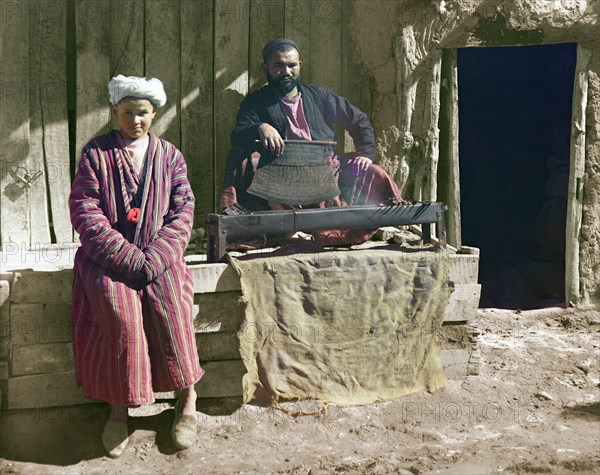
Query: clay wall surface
x=433 y=25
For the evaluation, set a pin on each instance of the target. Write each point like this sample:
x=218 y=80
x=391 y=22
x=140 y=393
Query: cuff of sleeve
x=137 y=262
x=365 y=153
x=253 y=135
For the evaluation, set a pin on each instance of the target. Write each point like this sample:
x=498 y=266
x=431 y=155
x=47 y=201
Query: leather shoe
x=183 y=432
x=115 y=438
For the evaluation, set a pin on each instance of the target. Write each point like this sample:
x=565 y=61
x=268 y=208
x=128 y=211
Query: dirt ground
x=535 y=408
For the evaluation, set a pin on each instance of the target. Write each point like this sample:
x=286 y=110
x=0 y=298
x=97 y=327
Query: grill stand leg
x=217 y=239
x=426 y=227
x=441 y=225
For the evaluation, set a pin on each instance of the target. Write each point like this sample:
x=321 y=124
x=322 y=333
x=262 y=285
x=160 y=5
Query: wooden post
x=406 y=83
x=449 y=174
x=431 y=132
x=577 y=169
x=406 y=91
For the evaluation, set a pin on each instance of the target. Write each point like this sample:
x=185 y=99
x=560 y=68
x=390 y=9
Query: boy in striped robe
x=132 y=206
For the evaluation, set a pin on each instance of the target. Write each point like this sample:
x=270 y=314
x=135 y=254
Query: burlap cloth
x=343 y=327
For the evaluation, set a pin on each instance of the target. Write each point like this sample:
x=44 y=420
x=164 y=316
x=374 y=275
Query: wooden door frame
x=576 y=172
x=448 y=100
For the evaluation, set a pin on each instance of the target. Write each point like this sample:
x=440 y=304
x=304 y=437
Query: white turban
x=132 y=86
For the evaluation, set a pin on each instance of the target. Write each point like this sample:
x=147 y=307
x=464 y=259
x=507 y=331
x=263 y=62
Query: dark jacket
x=322 y=108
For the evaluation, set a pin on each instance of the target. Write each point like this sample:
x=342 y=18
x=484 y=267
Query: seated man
x=288 y=109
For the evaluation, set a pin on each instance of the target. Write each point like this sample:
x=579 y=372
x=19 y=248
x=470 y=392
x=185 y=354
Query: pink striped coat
x=132 y=299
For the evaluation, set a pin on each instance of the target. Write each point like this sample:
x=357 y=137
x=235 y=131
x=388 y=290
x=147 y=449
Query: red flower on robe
x=134 y=215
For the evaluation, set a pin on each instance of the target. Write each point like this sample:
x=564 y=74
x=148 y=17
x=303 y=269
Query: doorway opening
x=514 y=137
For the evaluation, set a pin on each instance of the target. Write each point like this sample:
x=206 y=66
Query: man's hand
x=359 y=164
x=270 y=138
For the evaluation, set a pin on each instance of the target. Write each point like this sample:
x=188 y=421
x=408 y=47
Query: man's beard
x=281 y=86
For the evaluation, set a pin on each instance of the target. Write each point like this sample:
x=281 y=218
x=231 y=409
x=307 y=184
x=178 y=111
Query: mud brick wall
x=36 y=350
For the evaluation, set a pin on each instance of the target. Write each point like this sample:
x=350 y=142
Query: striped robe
x=132 y=299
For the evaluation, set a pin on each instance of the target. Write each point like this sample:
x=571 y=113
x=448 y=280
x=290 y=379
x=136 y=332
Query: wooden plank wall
x=58 y=55
x=15 y=222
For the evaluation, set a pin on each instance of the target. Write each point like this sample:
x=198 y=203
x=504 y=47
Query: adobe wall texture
x=435 y=24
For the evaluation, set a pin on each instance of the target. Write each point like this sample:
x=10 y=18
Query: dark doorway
x=515 y=122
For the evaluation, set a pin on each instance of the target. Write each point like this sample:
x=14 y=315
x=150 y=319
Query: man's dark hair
x=283 y=48
x=283 y=45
